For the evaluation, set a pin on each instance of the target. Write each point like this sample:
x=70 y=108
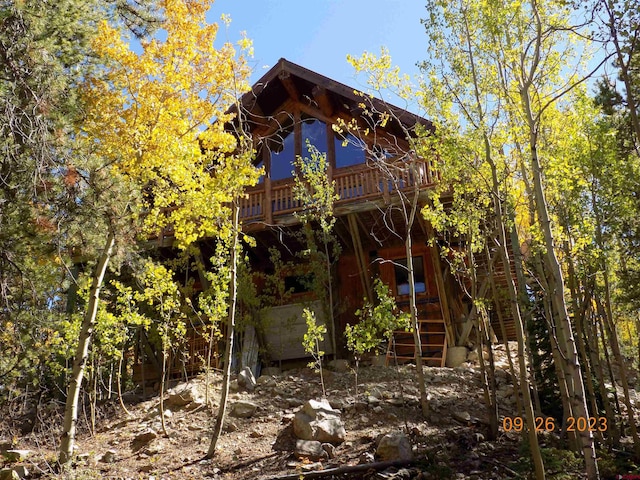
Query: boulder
x=394 y=446
x=316 y=420
x=246 y=379
x=463 y=417
x=243 y=409
x=310 y=449
x=266 y=381
x=184 y=394
x=143 y=439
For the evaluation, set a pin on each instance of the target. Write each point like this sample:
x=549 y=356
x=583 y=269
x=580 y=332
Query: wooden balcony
x=360 y=188
x=359 y=185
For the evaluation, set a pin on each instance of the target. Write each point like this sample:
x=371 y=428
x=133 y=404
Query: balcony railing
x=353 y=184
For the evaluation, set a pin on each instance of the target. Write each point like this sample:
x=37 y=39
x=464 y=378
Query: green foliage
x=317 y=194
x=311 y=342
x=44 y=206
x=313 y=337
x=377 y=322
x=559 y=464
x=314 y=190
x=611 y=466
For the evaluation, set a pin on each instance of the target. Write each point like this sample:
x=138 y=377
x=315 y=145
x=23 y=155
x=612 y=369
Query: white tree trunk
x=82 y=354
x=231 y=323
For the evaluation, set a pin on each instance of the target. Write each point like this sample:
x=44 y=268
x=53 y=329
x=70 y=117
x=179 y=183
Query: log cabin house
x=287 y=107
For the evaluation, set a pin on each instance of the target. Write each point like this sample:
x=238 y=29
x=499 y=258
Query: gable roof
x=289 y=82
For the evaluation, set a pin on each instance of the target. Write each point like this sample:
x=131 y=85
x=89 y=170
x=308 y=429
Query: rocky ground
x=259 y=440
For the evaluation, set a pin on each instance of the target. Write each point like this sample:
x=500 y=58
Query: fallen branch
x=246 y=463
x=342 y=470
x=500 y=465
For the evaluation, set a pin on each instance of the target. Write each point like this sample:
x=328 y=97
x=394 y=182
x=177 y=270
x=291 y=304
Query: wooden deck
x=266 y=202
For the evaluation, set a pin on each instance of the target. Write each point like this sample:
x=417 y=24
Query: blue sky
x=318 y=34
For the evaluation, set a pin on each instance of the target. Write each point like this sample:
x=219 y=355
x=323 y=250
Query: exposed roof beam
x=321 y=96
x=287 y=81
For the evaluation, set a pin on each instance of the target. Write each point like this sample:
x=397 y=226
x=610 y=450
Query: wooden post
x=360 y=258
x=442 y=294
x=268 y=207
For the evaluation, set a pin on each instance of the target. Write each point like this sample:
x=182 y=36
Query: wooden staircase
x=432 y=336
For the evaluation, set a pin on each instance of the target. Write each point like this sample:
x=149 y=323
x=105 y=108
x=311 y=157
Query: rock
x=231 y=427
x=21 y=470
x=243 y=409
x=9 y=474
x=246 y=379
x=184 y=394
x=506 y=391
x=294 y=402
x=366 y=457
x=109 y=456
x=256 y=434
x=373 y=401
x=16 y=455
x=310 y=449
x=271 y=371
x=330 y=449
x=318 y=421
x=310 y=467
x=143 y=439
x=463 y=417
x=379 y=394
x=394 y=446
x=360 y=405
x=337 y=403
x=234 y=386
x=339 y=365
x=154 y=450
x=266 y=381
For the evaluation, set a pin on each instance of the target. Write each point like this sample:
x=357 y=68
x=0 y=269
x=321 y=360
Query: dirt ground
x=452 y=443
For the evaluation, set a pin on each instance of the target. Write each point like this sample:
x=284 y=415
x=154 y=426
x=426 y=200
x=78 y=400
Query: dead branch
x=365 y=467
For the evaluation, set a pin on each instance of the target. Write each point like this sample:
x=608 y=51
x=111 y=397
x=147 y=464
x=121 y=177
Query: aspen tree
x=150 y=121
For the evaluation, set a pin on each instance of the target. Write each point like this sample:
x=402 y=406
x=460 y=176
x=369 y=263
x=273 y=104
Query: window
x=282 y=148
x=315 y=132
x=349 y=150
x=402 y=276
x=298 y=283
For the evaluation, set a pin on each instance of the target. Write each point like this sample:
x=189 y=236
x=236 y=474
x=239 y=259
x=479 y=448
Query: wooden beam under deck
x=363 y=268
